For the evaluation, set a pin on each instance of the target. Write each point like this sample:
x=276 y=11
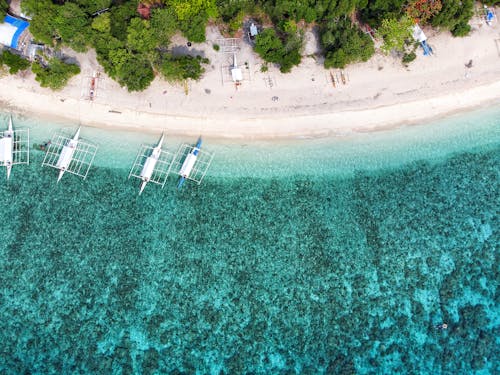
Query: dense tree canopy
x=56 y=74
x=395 y=33
x=345 y=44
x=177 y=68
x=4 y=6
x=285 y=53
x=454 y=16
x=14 y=62
x=132 y=37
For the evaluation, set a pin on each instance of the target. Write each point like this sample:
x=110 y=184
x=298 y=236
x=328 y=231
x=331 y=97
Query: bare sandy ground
x=378 y=94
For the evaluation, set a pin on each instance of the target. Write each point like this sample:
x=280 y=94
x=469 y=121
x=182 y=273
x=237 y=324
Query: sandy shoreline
x=378 y=94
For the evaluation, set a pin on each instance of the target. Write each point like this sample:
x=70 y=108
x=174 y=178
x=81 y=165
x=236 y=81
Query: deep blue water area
x=292 y=273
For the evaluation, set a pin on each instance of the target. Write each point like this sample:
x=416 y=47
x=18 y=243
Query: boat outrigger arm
x=149 y=165
x=7 y=148
x=67 y=154
x=188 y=164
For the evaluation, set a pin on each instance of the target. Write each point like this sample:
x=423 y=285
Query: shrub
x=272 y=49
x=462 y=29
x=135 y=72
x=236 y=23
x=409 y=57
x=180 y=68
x=56 y=75
x=344 y=44
x=455 y=16
x=14 y=62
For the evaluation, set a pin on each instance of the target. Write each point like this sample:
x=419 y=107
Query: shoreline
x=363 y=120
x=380 y=95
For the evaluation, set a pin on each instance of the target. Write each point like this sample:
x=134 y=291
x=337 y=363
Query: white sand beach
x=378 y=94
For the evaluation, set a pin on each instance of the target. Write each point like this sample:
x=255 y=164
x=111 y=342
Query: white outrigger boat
x=152 y=165
x=11 y=150
x=66 y=154
x=188 y=164
x=149 y=165
x=70 y=155
x=195 y=163
x=7 y=148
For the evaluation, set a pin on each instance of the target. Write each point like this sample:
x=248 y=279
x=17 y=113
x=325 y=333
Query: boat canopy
x=11 y=30
x=5 y=150
x=418 y=34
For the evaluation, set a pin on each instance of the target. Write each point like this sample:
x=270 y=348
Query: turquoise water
x=305 y=256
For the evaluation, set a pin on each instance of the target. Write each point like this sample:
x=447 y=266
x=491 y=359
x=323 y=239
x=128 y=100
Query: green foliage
x=56 y=75
x=69 y=25
x=140 y=37
x=180 y=68
x=461 y=29
x=105 y=46
x=164 y=24
x=236 y=23
x=92 y=6
x=4 y=6
x=375 y=11
x=454 y=16
x=134 y=71
x=129 y=48
x=344 y=44
x=120 y=19
x=102 y=23
x=291 y=55
x=229 y=10
x=308 y=10
x=216 y=47
x=192 y=16
x=186 y=9
x=409 y=57
x=272 y=49
x=53 y=24
x=395 y=33
x=41 y=25
x=194 y=28
x=289 y=26
x=269 y=46
x=14 y=62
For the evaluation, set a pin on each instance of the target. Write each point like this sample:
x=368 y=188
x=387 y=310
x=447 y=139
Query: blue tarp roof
x=19 y=25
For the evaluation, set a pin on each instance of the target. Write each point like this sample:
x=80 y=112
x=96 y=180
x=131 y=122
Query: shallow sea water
x=306 y=256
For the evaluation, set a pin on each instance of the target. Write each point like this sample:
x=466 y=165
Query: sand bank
x=378 y=94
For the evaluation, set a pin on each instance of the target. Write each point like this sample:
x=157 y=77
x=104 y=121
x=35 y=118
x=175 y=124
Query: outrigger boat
x=67 y=154
x=149 y=165
x=7 y=148
x=14 y=147
x=152 y=164
x=188 y=164
x=71 y=155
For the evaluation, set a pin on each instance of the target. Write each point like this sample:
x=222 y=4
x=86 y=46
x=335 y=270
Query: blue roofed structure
x=11 y=30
